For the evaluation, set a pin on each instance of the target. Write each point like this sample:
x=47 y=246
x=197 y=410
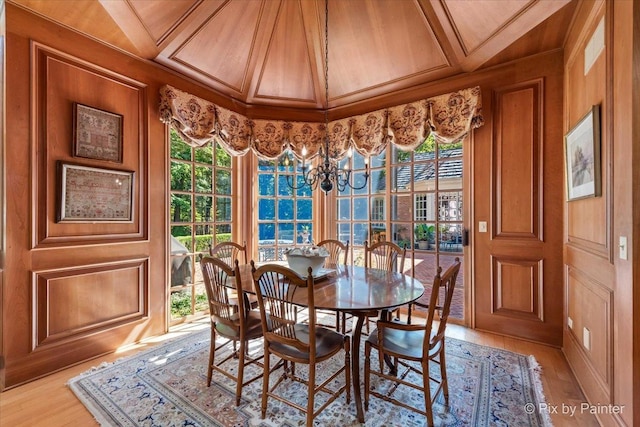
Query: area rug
x=166 y=386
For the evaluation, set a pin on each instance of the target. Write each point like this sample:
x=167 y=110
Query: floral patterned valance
x=449 y=117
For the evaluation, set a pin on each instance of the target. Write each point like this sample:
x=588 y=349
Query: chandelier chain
x=328 y=172
x=326 y=63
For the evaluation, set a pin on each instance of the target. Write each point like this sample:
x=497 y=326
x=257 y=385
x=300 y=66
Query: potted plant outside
x=424 y=235
x=305 y=233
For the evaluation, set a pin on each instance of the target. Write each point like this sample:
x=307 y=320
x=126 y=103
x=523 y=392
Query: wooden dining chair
x=293 y=342
x=421 y=344
x=230 y=319
x=230 y=252
x=422 y=304
x=386 y=256
x=338 y=252
x=338 y=256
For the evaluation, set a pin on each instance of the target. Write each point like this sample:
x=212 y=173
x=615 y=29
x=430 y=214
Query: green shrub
x=203 y=242
x=181 y=303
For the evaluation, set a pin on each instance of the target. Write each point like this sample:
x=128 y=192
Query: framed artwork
x=582 y=157
x=89 y=194
x=97 y=134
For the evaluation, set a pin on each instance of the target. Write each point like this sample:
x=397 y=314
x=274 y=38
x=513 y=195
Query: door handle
x=465 y=237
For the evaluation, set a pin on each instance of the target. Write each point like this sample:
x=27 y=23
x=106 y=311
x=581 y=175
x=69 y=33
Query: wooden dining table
x=359 y=291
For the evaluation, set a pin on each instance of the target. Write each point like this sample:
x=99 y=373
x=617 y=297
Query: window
x=423 y=205
x=450 y=206
x=285 y=214
x=377 y=209
x=362 y=212
x=432 y=177
x=200 y=216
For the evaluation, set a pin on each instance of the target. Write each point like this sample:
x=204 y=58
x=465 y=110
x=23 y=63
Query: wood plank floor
x=49 y=402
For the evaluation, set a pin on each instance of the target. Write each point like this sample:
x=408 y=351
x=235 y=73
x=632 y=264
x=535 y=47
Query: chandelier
x=328 y=172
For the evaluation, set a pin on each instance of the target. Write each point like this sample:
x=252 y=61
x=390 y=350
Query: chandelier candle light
x=327 y=172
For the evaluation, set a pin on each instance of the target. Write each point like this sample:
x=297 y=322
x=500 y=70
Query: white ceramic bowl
x=301 y=263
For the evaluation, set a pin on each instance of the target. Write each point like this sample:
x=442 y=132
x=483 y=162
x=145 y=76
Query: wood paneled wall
x=73 y=291
x=60 y=80
x=3 y=113
x=598 y=338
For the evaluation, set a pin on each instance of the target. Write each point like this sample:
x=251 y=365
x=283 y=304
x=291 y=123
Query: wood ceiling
x=267 y=54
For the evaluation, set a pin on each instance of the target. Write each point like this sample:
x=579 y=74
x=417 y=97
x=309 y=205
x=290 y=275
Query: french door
x=416 y=200
x=200 y=217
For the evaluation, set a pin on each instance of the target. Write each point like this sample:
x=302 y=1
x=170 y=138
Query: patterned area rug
x=166 y=386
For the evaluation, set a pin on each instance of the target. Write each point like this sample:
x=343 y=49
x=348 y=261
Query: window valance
x=449 y=117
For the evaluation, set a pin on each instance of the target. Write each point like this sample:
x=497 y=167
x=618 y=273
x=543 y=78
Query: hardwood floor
x=49 y=402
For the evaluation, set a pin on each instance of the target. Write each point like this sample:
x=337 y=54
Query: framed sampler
x=97 y=134
x=89 y=194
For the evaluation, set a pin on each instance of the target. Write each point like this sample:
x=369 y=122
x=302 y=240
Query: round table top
x=354 y=288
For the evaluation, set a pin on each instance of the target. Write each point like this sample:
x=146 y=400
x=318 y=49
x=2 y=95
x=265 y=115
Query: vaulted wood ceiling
x=270 y=53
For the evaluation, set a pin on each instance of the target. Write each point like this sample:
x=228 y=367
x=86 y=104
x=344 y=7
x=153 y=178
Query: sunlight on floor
x=174 y=332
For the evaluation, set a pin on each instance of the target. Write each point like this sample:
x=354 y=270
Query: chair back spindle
x=338 y=252
x=384 y=256
x=276 y=293
x=230 y=252
x=218 y=279
x=444 y=284
x=338 y=255
x=387 y=256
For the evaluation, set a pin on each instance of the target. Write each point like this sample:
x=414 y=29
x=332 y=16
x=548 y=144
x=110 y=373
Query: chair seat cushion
x=407 y=344
x=253 y=327
x=328 y=342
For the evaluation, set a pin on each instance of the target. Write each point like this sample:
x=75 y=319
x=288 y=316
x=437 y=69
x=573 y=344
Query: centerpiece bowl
x=300 y=259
